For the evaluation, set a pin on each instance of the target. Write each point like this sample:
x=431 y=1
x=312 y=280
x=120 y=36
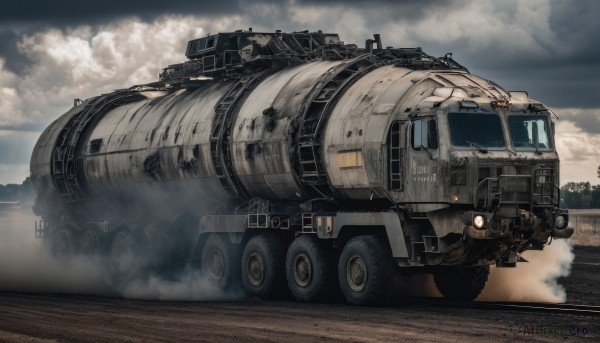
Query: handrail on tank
x=489 y=192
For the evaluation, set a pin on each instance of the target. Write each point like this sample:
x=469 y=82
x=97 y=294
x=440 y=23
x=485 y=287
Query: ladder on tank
x=323 y=97
x=219 y=136
x=63 y=157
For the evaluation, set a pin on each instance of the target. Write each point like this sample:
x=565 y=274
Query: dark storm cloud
x=14 y=60
x=27 y=17
x=576 y=28
x=67 y=12
x=556 y=85
x=406 y=10
x=24 y=127
x=15 y=149
x=587 y=120
x=563 y=71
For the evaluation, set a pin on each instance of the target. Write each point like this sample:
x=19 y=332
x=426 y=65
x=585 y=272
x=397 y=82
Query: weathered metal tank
x=326 y=146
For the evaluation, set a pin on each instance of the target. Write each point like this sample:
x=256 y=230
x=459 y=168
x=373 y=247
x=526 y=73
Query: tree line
x=15 y=192
x=580 y=195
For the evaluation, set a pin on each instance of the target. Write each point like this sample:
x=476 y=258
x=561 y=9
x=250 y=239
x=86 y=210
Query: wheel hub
x=356 y=273
x=255 y=268
x=302 y=270
x=90 y=244
x=216 y=264
x=122 y=257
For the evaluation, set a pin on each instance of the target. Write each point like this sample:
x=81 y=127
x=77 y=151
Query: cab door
x=422 y=155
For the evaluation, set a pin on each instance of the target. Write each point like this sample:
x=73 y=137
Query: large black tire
x=62 y=243
x=220 y=261
x=90 y=243
x=263 y=267
x=124 y=257
x=462 y=284
x=310 y=269
x=366 y=271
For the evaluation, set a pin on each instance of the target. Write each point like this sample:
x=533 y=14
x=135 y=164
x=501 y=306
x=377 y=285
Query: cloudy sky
x=54 y=51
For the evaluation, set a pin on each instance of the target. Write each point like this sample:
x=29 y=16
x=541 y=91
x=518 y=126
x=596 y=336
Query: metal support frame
x=544 y=186
x=288 y=49
x=41 y=229
x=493 y=189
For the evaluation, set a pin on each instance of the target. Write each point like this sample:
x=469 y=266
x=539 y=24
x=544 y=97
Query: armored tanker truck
x=295 y=161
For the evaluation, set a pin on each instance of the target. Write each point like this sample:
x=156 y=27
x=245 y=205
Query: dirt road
x=82 y=318
x=48 y=317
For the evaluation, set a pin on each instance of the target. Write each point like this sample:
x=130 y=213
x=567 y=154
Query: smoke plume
x=535 y=281
x=26 y=267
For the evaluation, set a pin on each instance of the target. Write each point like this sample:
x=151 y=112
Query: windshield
x=476 y=130
x=529 y=132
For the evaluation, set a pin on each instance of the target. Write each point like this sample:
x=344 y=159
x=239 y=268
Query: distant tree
x=598 y=171
x=580 y=195
x=595 y=196
x=577 y=187
x=14 y=192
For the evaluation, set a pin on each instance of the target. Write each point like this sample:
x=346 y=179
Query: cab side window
x=424 y=134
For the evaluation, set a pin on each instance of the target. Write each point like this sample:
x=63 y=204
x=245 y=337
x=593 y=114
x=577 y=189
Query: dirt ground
x=66 y=318
x=583 y=285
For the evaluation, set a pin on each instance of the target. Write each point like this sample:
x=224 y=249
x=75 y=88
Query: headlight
x=478 y=221
x=559 y=222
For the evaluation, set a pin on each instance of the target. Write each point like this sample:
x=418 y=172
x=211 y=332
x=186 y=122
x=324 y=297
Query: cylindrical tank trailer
x=294 y=158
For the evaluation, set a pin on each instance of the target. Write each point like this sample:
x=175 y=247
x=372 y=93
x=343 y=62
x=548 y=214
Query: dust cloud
x=26 y=267
x=535 y=281
x=191 y=285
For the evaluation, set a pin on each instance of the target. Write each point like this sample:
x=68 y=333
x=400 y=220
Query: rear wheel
x=309 y=271
x=90 y=243
x=463 y=284
x=62 y=243
x=124 y=257
x=263 y=269
x=220 y=261
x=365 y=271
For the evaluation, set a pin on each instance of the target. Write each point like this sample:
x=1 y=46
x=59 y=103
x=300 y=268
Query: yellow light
x=455 y=199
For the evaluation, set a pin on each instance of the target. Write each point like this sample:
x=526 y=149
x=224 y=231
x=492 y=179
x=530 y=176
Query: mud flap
x=564 y=233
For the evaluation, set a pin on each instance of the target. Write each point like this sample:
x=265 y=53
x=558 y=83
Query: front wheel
x=463 y=284
x=124 y=256
x=365 y=271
